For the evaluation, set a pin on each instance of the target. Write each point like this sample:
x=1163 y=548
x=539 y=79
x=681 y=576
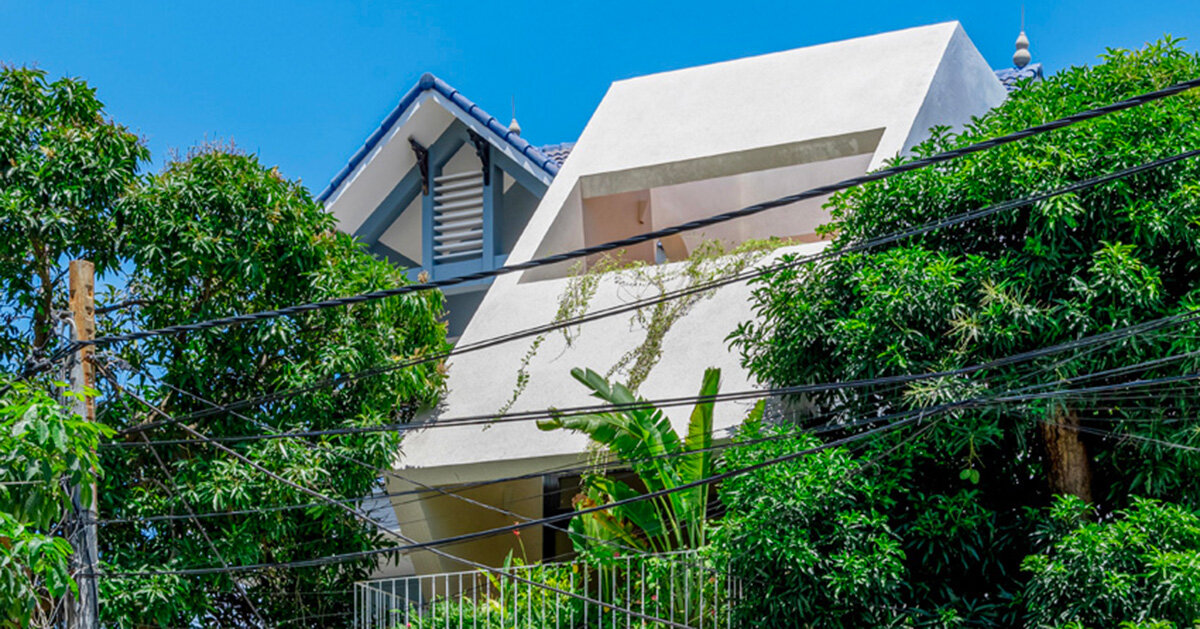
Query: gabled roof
x=430 y=82
x=1010 y=77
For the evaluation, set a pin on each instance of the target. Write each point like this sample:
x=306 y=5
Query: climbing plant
x=708 y=262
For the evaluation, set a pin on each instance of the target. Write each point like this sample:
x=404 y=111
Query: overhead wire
x=891 y=171
x=383 y=526
x=429 y=488
x=749 y=394
x=1099 y=340
x=894 y=421
x=809 y=259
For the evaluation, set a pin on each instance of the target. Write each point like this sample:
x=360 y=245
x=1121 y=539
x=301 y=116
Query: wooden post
x=83 y=610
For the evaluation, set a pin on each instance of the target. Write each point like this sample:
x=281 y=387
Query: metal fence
x=678 y=587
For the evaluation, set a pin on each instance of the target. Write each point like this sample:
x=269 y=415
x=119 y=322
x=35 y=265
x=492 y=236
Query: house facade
x=659 y=150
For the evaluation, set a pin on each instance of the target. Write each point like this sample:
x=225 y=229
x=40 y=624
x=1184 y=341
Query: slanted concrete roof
x=783 y=121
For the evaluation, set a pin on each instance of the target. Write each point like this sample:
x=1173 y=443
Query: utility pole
x=83 y=610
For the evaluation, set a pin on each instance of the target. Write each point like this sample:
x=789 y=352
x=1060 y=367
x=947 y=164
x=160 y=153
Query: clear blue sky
x=303 y=83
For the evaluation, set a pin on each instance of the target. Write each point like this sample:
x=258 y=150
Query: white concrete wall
x=840 y=89
x=481 y=382
x=963 y=87
x=894 y=85
x=405 y=234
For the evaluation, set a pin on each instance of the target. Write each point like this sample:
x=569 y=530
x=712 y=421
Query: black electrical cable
x=383 y=526
x=522 y=416
x=500 y=530
x=895 y=420
x=394 y=474
x=811 y=193
x=241 y=590
x=1090 y=341
x=1120 y=436
x=699 y=288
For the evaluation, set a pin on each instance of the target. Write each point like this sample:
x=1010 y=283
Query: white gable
x=701 y=140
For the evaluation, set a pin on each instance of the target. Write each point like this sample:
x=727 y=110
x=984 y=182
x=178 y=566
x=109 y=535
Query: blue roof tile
x=431 y=82
x=1010 y=77
x=557 y=152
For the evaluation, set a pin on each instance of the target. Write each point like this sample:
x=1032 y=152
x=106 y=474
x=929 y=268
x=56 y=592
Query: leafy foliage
x=1076 y=265
x=213 y=234
x=220 y=234
x=62 y=167
x=1143 y=566
x=810 y=538
x=642 y=437
x=44 y=451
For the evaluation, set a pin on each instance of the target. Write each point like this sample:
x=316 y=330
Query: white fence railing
x=680 y=588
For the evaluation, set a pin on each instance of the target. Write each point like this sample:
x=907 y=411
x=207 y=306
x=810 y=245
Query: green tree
x=642 y=437
x=44 y=451
x=1072 y=266
x=211 y=235
x=1142 y=566
x=63 y=165
x=810 y=538
x=218 y=234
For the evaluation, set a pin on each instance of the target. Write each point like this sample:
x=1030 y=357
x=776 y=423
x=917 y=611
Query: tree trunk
x=43 y=326
x=1070 y=469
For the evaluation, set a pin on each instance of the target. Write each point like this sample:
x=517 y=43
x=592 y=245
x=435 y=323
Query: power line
x=750 y=394
x=241 y=590
x=479 y=534
x=1125 y=435
x=644 y=237
x=382 y=526
x=699 y=288
x=398 y=476
x=896 y=420
x=1095 y=341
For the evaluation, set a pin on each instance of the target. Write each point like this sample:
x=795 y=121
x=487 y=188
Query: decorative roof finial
x=1021 y=57
x=513 y=126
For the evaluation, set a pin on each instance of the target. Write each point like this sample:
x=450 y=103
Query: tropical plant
x=63 y=166
x=44 y=452
x=641 y=437
x=978 y=484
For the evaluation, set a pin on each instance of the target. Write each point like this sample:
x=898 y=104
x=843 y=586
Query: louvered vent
x=458 y=216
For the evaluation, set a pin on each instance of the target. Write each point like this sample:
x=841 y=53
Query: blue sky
x=303 y=83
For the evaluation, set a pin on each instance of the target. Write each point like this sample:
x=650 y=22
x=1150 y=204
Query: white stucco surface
x=658 y=131
x=425 y=120
x=656 y=126
x=482 y=382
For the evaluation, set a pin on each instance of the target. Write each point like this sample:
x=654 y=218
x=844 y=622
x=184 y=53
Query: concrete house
x=659 y=150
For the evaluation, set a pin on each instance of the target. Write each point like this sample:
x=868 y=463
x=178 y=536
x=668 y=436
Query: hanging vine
x=709 y=262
